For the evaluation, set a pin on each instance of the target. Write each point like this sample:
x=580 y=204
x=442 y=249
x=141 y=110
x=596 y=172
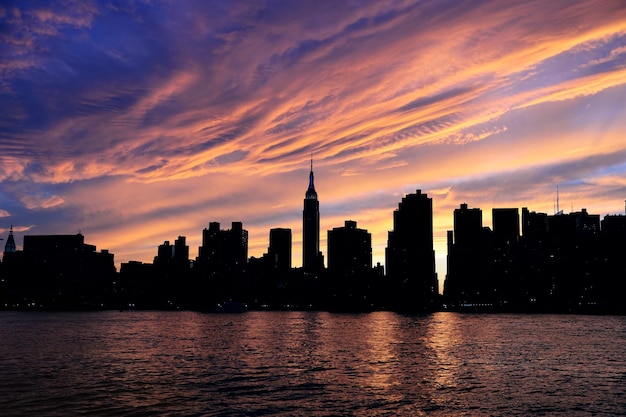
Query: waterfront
x=311 y=364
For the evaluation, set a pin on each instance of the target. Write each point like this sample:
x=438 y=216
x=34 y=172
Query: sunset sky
x=136 y=122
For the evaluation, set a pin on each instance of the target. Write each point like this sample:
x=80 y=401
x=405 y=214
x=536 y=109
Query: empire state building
x=311 y=255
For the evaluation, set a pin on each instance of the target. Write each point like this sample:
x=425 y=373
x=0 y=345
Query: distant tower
x=410 y=256
x=9 y=247
x=311 y=255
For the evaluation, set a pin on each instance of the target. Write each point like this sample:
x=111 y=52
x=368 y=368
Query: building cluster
x=565 y=262
x=53 y=271
x=562 y=262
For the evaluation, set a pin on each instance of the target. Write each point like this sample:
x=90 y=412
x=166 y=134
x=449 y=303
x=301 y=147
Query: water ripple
x=310 y=364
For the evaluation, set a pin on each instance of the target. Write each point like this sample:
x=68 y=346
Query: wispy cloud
x=135 y=122
x=41 y=201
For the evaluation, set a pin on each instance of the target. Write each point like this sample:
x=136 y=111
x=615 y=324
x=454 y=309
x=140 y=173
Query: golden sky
x=135 y=124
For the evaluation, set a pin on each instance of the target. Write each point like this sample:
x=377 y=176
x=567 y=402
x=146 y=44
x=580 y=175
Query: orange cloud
x=214 y=116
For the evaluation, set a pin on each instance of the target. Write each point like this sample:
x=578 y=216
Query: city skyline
x=135 y=124
x=558 y=263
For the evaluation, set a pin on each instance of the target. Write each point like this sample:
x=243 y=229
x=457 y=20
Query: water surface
x=311 y=364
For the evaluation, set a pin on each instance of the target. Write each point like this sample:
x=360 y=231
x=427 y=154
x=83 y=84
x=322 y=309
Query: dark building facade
x=562 y=262
x=167 y=283
x=349 y=250
x=312 y=259
x=613 y=249
x=559 y=263
x=352 y=282
x=506 y=225
x=469 y=275
x=172 y=282
x=176 y=255
x=138 y=287
x=572 y=260
x=279 y=250
x=505 y=274
x=410 y=257
x=58 y=272
x=224 y=248
x=222 y=261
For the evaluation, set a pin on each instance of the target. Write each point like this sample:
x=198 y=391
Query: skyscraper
x=10 y=247
x=410 y=256
x=311 y=255
x=279 y=251
x=467 y=250
x=349 y=250
x=224 y=250
x=505 y=225
x=222 y=262
x=352 y=280
x=65 y=272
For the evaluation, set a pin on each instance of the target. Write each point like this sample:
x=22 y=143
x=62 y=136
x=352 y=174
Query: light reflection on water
x=311 y=363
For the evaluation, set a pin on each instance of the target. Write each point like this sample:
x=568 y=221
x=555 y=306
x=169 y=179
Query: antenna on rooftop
x=557 y=199
x=557 y=205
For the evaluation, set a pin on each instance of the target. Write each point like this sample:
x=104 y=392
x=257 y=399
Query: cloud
x=140 y=121
x=32 y=202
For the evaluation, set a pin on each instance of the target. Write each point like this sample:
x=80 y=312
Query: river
x=151 y=363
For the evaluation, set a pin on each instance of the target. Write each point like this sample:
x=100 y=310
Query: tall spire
x=310 y=192
x=9 y=247
x=312 y=258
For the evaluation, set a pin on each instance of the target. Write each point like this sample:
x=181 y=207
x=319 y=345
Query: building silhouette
x=560 y=263
x=172 y=282
x=180 y=253
x=223 y=250
x=9 y=246
x=58 y=272
x=138 y=287
x=349 y=250
x=506 y=225
x=278 y=286
x=352 y=282
x=312 y=260
x=573 y=260
x=166 y=283
x=570 y=262
x=505 y=274
x=275 y=284
x=534 y=224
x=613 y=273
x=279 y=250
x=221 y=263
x=469 y=267
x=410 y=258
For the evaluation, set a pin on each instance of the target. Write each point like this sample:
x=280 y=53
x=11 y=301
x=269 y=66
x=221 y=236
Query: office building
x=349 y=250
x=279 y=251
x=410 y=258
x=466 y=252
x=312 y=259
